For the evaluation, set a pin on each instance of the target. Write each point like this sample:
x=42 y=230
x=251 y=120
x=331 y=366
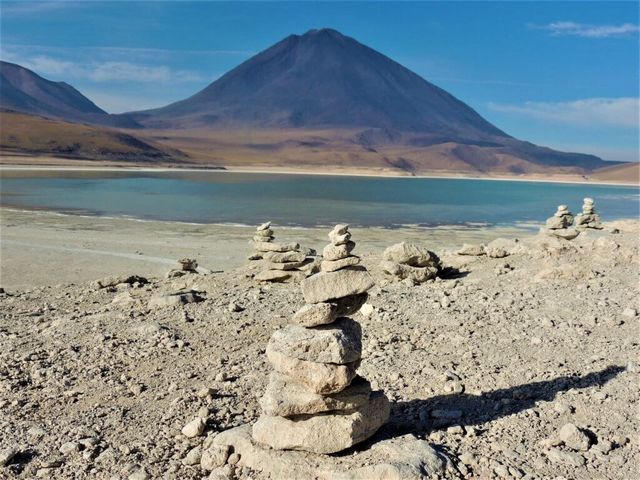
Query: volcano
x=328 y=81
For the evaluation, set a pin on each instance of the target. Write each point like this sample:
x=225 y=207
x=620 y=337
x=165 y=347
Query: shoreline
x=289 y=171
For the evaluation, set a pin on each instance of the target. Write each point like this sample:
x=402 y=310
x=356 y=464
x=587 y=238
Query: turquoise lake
x=305 y=200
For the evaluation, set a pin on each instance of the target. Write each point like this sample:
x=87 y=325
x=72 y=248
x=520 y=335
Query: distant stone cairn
x=315 y=402
x=559 y=224
x=588 y=218
x=413 y=263
x=280 y=262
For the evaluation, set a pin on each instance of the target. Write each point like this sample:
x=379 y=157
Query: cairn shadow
x=417 y=416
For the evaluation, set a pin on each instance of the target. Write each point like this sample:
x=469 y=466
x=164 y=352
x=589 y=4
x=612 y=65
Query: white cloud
x=100 y=71
x=118 y=103
x=588 y=31
x=108 y=71
x=594 y=112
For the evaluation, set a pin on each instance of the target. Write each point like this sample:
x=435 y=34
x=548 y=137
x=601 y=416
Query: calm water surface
x=305 y=200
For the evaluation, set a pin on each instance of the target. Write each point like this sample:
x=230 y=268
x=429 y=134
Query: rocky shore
x=519 y=360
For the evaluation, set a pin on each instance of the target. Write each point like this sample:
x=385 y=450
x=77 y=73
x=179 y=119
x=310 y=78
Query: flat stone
x=339 y=238
x=409 y=254
x=332 y=285
x=333 y=265
x=264 y=226
x=281 y=257
x=566 y=233
x=315 y=314
x=337 y=252
x=399 y=458
x=275 y=247
x=260 y=239
x=327 y=433
x=402 y=272
x=339 y=342
x=273 y=276
x=283 y=265
x=285 y=398
x=324 y=378
x=473 y=250
x=267 y=232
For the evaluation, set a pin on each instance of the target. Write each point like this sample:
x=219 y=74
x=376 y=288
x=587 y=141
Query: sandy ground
x=487 y=366
x=44 y=248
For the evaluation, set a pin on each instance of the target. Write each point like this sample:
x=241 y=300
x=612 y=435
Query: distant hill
x=625 y=172
x=29 y=134
x=325 y=80
x=24 y=91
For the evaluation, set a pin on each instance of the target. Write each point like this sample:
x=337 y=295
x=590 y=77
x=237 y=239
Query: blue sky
x=563 y=74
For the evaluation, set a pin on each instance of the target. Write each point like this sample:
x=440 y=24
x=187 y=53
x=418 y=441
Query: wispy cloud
x=102 y=71
x=25 y=8
x=575 y=29
x=592 y=112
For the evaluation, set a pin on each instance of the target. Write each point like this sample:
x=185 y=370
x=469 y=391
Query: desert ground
x=487 y=363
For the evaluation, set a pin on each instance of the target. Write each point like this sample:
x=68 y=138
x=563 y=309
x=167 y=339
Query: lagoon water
x=305 y=200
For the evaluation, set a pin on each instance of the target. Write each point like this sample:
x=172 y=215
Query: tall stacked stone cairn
x=280 y=262
x=413 y=263
x=588 y=218
x=314 y=401
x=559 y=225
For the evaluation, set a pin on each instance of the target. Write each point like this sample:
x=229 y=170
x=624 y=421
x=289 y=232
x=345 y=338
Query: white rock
x=574 y=438
x=194 y=428
x=315 y=314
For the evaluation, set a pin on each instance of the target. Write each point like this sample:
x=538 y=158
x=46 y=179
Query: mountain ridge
x=25 y=91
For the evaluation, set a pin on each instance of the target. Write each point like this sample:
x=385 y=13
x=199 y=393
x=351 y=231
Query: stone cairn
x=405 y=261
x=281 y=262
x=588 y=218
x=559 y=224
x=185 y=266
x=314 y=401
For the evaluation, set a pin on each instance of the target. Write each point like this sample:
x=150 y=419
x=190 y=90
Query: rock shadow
x=421 y=416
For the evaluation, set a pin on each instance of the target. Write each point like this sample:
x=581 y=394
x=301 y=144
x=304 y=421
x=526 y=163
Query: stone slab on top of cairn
x=315 y=401
x=588 y=218
x=559 y=225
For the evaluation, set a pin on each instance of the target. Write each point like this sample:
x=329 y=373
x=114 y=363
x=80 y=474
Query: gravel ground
x=488 y=365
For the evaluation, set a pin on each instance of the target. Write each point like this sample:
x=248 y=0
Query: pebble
x=630 y=312
x=194 y=428
x=6 y=455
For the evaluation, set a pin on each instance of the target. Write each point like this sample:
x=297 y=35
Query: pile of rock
x=405 y=261
x=315 y=402
x=559 y=224
x=280 y=262
x=588 y=218
x=263 y=234
x=185 y=266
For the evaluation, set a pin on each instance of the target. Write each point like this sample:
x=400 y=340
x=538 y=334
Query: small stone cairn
x=413 y=263
x=314 y=401
x=185 y=266
x=559 y=224
x=588 y=218
x=281 y=262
